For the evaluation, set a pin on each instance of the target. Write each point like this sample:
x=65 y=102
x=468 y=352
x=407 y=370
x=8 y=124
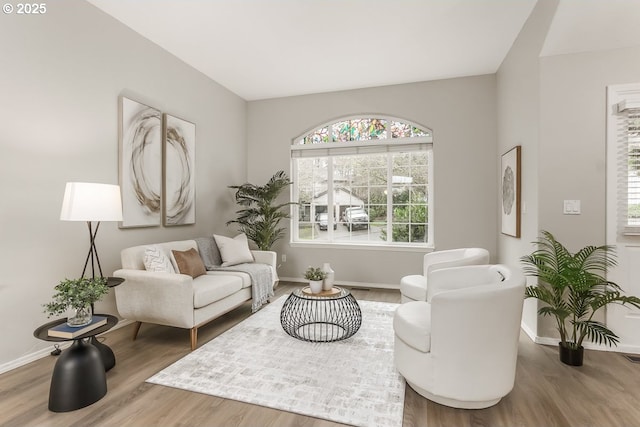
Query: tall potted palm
x=573 y=288
x=261 y=215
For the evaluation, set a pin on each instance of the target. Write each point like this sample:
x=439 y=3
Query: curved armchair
x=414 y=287
x=460 y=349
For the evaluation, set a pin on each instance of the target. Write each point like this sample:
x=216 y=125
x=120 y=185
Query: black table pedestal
x=106 y=354
x=78 y=378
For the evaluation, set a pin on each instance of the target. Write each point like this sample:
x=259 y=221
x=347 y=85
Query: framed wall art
x=140 y=163
x=179 y=171
x=510 y=183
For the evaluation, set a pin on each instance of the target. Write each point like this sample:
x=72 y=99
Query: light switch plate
x=571 y=207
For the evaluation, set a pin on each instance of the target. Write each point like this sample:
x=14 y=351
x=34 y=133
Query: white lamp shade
x=84 y=201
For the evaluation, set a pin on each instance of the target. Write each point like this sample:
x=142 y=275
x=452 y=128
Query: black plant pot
x=571 y=356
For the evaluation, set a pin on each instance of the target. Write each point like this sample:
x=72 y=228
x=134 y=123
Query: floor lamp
x=93 y=203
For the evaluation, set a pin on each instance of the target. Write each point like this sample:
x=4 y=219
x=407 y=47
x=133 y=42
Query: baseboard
x=621 y=348
x=348 y=284
x=44 y=352
x=532 y=336
x=31 y=357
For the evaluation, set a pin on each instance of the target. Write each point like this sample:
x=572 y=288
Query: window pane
x=400 y=233
x=359 y=130
x=633 y=180
x=409 y=197
x=418 y=194
x=360 y=183
x=378 y=213
x=378 y=129
x=416 y=132
x=341 y=131
x=317 y=137
x=312 y=188
x=400 y=130
x=418 y=233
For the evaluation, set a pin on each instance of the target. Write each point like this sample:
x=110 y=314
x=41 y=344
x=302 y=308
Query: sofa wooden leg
x=136 y=329
x=194 y=338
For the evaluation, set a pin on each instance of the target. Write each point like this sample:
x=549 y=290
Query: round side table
x=331 y=317
x=79 y=377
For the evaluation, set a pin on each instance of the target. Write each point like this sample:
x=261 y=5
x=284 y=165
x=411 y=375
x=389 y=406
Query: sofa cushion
x=155 y=259
x=246 y=279
x=234 y=251
x=189 y=262
x=208 y=289
x=412 y=324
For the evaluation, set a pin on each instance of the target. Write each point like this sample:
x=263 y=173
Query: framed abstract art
x=510 y=192
x=179 y=171
x=140 y=163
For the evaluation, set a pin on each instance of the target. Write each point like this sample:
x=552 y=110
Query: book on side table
x=65 y=331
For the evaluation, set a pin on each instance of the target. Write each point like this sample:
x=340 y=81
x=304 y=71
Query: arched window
x=363 y=180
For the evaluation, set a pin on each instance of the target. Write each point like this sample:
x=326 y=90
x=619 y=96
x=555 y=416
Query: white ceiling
x=272 y=48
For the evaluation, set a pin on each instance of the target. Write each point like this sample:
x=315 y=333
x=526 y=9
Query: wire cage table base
x=318 y=318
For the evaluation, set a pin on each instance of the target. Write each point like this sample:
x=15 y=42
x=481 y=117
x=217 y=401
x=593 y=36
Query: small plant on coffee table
x=315 y=274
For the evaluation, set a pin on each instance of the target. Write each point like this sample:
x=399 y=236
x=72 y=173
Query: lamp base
x=106 y=354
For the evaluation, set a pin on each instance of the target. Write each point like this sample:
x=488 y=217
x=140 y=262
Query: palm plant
x=574 y=288
x=260 y=216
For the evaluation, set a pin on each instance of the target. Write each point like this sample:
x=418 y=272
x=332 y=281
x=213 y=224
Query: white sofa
x=414 y=287
x=460 y=348
x=179 y=300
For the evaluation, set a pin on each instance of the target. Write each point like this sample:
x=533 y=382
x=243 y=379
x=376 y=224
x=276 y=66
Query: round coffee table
x=330 y=316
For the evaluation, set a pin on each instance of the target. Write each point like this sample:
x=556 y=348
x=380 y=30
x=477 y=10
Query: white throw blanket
x=261 y=274
x=261 y=281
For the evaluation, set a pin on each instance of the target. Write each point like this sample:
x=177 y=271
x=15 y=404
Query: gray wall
x=555 y=107
x=461 y=113
x=518 y=94
x=60 y=79
x=573 y=143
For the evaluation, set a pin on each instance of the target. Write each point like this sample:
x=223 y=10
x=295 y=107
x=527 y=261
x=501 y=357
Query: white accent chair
x=414 y=287
x=460 y=347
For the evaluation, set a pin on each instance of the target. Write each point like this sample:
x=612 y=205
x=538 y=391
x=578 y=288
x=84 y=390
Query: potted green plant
x=315 y=276
x=573 y=288
x=261 y=215
x=79 y=295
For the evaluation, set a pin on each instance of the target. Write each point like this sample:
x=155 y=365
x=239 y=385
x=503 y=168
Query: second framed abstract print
x=179 y=171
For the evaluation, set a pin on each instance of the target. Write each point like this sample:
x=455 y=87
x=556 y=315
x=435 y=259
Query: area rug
x=351 y=382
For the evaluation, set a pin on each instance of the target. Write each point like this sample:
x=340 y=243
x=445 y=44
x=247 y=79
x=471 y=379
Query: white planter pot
x=315 y=286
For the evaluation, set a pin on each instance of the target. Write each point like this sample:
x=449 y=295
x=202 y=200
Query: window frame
x=620 y=98
x=388 y=146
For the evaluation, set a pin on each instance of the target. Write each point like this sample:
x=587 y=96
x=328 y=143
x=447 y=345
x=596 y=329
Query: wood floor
x=604 y=392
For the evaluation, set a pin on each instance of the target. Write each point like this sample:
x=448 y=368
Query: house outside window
x=363 y=181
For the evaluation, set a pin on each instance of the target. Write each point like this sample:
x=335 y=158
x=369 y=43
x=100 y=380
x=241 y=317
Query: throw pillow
x=189 y=262
x=234 y=251
x=156 y=260
x=209 y=252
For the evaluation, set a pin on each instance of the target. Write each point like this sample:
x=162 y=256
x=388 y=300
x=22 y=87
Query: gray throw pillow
x=209 y=251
